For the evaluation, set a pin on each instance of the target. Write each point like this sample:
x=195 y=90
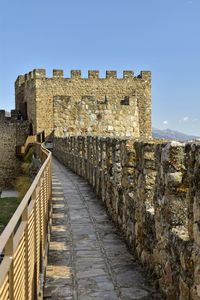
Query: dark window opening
x=125 y=101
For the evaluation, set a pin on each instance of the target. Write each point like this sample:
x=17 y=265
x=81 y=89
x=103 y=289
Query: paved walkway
x=87 y=259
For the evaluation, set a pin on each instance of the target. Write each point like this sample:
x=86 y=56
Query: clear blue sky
x=158 y=35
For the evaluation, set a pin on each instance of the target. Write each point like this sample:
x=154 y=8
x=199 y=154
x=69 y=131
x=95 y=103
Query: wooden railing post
x=25 y=219
x=37 y=242
x=49 y=200
x=9 y=251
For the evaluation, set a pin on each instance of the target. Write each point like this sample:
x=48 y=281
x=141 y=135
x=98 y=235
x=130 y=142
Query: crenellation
x=2 y=115
x=13 y=115
x=26 y=76
x=58 y=73
x=128 y=74
x=20 y=80
x=30 y=75
x=39 y=73
x=9 y=117
x=111 y=74
x=146 y=75
x=76 y=74
x=93 y=74
x=6 y=117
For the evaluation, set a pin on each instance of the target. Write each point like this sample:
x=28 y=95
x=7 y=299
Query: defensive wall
x=151 y=190
x=108 y=106
x=12 y=133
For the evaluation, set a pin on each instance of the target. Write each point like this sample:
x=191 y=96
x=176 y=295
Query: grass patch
x=7 y=209
x=28 y=156
x=25 y=168
x=22 y=184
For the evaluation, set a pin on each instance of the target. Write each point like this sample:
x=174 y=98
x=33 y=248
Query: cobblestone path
x=87 y=258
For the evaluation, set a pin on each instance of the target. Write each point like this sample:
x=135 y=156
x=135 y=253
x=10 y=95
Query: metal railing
x=24 y=241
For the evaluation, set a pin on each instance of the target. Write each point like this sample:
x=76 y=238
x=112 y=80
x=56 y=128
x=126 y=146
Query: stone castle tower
x=108 y=106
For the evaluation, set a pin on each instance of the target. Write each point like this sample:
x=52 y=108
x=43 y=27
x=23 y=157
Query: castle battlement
x=76 y=74
x=108 y=106
x=5 y=118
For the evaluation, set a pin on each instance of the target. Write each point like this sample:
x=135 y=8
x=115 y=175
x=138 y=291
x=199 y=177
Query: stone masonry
x=108 y=106
x=151 y=189
x=12 y=133
x=102 y=131
x=62 y=107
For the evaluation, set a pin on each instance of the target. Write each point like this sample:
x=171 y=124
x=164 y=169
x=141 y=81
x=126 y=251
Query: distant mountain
x=172 y=135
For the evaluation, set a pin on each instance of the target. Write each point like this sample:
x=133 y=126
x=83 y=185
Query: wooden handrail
x=23 y=242
x=18 y=213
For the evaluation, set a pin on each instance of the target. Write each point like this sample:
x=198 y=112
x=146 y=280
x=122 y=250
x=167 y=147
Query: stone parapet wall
x=151 y=190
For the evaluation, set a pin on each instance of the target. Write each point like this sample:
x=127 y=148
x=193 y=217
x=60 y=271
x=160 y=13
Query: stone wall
x=12 y=133
x=25 y=98
x=151 y=190
x=108 y=106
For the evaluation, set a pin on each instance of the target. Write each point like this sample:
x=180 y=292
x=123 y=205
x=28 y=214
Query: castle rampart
x=102 y=131
x=151 y=191
x=108 y=106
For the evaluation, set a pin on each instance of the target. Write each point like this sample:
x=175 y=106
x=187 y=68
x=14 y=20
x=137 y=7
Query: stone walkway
x=87 y=259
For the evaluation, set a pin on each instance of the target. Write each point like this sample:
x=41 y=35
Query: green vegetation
x=7 y=209
x=21 y=184
x=28 y=156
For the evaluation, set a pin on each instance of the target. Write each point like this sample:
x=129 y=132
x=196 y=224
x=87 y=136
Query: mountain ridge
x=172 y=135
